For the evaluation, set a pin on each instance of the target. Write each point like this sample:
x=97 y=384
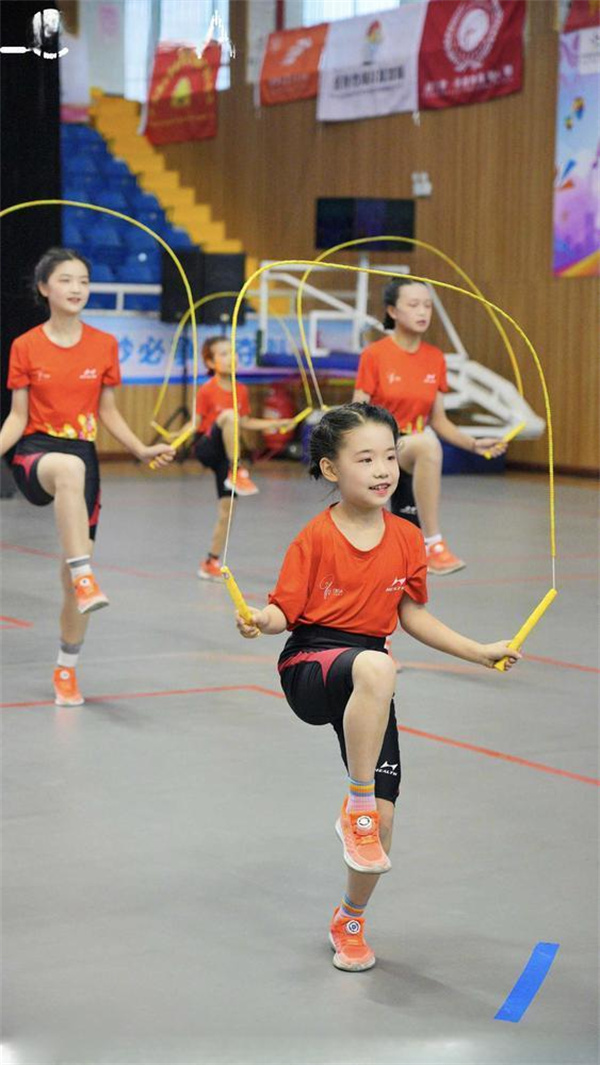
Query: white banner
x=369 y=65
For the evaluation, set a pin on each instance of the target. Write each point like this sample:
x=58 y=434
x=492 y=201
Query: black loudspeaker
x=206 y=274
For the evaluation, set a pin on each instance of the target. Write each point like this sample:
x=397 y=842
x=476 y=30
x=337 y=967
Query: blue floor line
x=529 y=983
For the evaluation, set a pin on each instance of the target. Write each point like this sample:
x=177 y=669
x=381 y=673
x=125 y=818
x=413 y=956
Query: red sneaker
x=359 y=834
x=441 y=560
x=210 y=570
x=88 y=595
x=66 y=689
x=346 y=935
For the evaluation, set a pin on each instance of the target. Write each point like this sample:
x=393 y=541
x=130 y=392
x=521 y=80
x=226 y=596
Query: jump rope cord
x=413 y=277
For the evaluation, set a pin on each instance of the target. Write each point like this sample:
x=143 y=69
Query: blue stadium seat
x=71 y=234
x=114 y=199
x=178 y=238
x=101 y=301
x=145 y=201
x=79 y=162
x=141 y=268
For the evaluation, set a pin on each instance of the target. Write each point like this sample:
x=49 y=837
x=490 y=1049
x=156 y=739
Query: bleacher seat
x=141 y=267
x=101 y=301
x=178 y=238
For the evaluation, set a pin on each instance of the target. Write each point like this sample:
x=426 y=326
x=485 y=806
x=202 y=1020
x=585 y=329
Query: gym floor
x=170 y=863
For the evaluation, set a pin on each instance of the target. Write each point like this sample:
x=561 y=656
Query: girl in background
x=63 y=375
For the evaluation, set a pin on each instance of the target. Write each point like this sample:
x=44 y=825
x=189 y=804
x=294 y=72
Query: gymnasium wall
x=491 y=210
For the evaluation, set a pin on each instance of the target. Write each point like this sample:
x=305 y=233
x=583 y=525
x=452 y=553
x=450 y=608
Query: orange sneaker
x=359 y=834
x=66 y=689
x=346 y=935
x=88 y=595
x=210 y=570
x=245 y=486
x=441 y=560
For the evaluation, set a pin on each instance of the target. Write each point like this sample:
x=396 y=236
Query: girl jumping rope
x=62 y=375
x=345 y=580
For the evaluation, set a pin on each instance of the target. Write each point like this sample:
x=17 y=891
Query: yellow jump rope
x=232 y=587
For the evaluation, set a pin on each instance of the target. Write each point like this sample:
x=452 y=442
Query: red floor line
x=563 y=665
x=539 y=766
x=14 y=623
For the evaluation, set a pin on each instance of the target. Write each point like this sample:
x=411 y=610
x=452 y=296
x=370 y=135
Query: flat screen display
x=346 y=218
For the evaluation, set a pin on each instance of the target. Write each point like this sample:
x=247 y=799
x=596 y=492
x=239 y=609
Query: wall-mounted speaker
x=207 y=274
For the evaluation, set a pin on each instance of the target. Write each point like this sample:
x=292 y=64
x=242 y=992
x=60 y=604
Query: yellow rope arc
x=180 y=327
x=420 y=244
x=532 y=620
x=140 y=225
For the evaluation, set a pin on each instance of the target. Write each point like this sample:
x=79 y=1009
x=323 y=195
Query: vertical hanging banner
x=182 y=104
x=290 y=67
x=581 y=15
x=472 y=50
x=577 y=159
x=369 y=65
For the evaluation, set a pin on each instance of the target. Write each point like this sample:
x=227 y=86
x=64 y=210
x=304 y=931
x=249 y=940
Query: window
x=181 y=21
x=315 y=11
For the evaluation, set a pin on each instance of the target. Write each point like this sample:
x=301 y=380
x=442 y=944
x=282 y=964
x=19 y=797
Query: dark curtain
x=30 y=157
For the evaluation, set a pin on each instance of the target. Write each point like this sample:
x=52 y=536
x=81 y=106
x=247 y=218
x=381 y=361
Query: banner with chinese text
x=369 y=65
x=182 y=103
x=472 y=50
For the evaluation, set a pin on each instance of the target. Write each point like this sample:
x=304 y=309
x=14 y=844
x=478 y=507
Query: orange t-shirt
x=212 y=400
x=64 y=383
x=404 y=382
x=325 y=580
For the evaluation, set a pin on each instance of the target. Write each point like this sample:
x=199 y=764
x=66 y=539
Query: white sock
x=431 y=541
x=79 y=567
x=68 y=654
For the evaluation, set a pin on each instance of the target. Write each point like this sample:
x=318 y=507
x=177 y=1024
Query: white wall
x=101 y=22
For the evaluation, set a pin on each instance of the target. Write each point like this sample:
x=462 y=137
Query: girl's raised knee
x=374 y=667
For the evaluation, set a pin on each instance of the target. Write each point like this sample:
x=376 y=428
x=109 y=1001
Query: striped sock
x=350 y=909
x=361 y=796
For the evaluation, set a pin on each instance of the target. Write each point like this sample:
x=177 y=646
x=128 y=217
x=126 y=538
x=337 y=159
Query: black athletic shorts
x=209 y=449
x=32 y=448
x=315 y=669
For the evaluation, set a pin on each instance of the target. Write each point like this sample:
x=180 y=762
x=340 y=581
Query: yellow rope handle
x=517 y=641
x=414 y=277
x=146 y=229
x=174 y=343
x=506 y=439
x=420 y=244
x=239 y=602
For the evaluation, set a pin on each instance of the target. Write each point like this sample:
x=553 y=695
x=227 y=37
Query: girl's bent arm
x=422 y=625
x=15 y=424
x=114 y=421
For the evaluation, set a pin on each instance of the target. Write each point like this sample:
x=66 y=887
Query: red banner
x=182 y=105
x=471 y=50
x=581 y=15
x=290 y=68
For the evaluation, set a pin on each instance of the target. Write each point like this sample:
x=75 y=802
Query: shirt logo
x=89 y=375
x=393 y=377
x=328 y=589
x=430 y=379
x=41 y=375
x=397 y=584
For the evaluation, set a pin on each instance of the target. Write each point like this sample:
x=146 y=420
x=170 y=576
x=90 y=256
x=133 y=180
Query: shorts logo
x=89 y=374
x=397 y=584
x=388 y=769
x=328 y=589
x=353 y=927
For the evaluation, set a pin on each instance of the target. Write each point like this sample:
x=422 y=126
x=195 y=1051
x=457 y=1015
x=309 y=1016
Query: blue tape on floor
x=529 y=983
